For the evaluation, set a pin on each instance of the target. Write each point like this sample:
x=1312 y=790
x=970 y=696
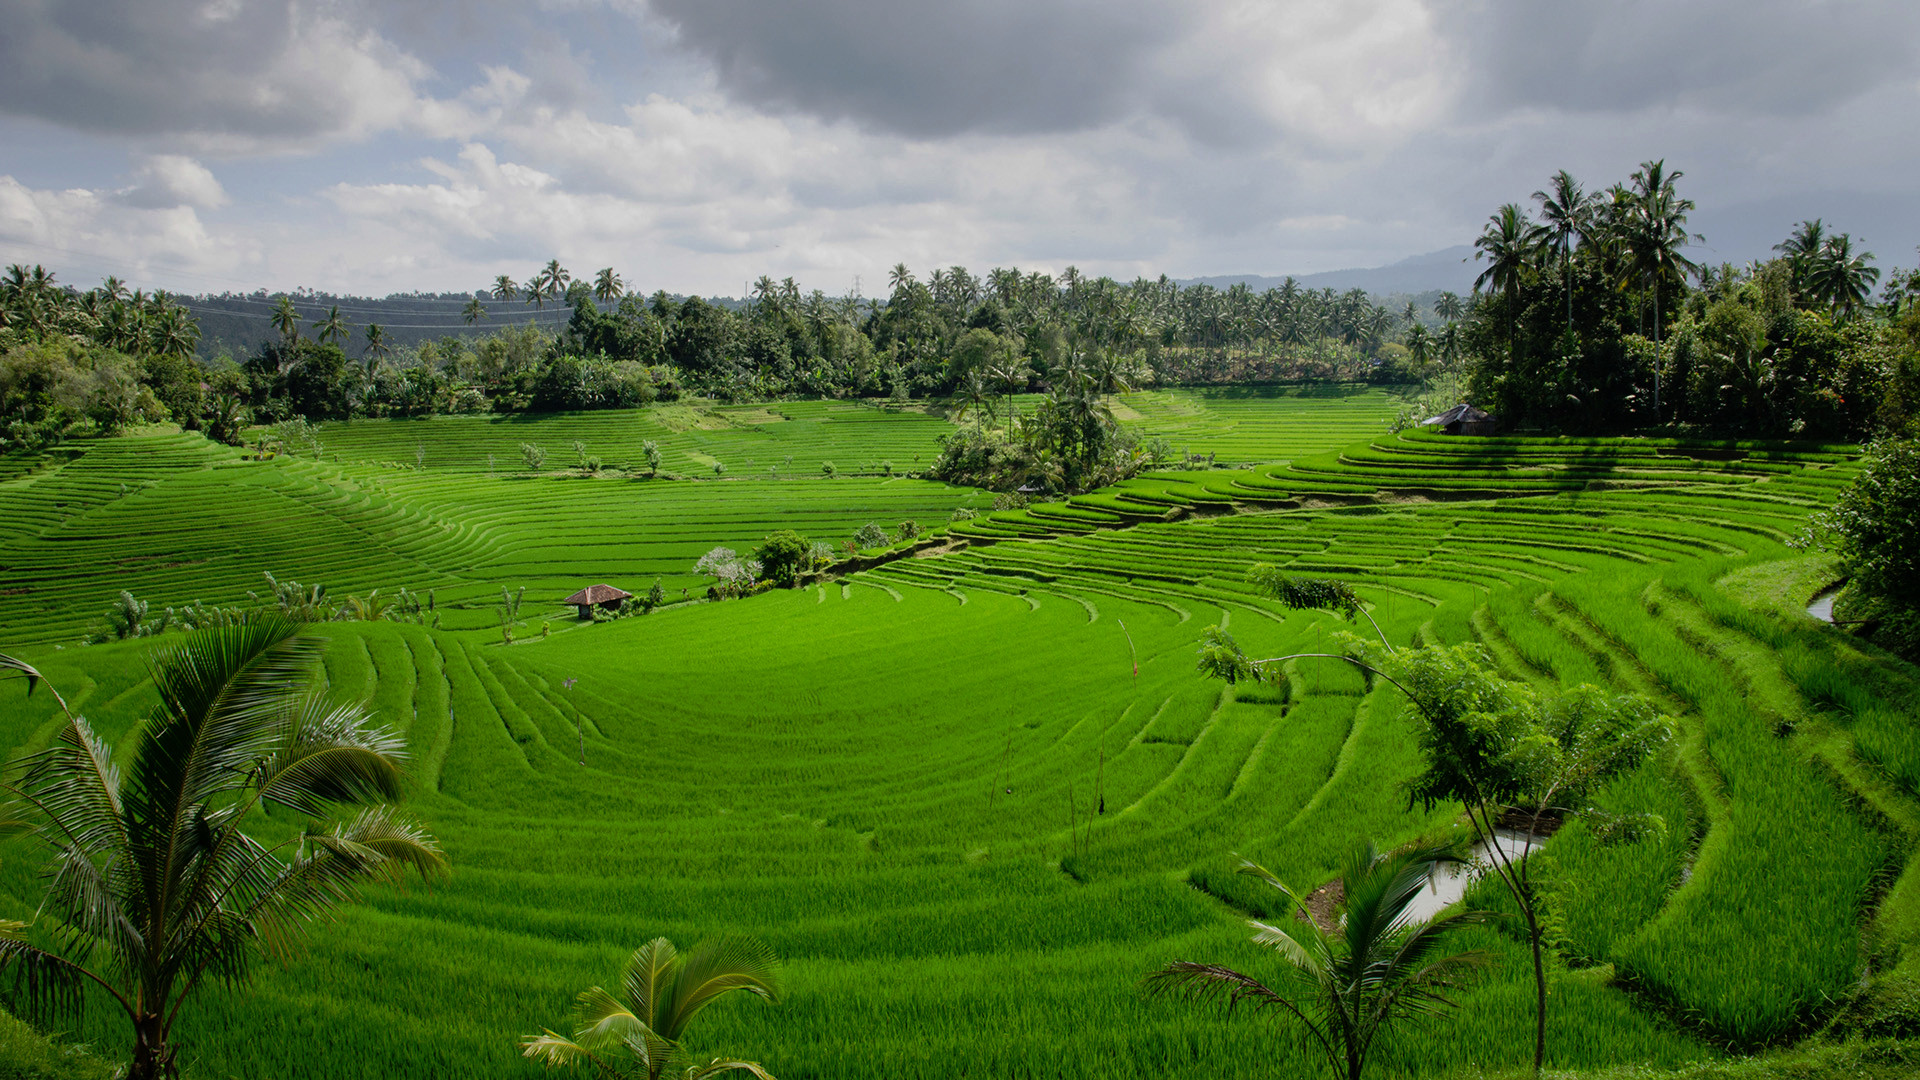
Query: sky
x=378 y=146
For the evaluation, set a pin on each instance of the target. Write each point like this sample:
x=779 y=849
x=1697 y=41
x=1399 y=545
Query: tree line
x=1591 y=316
x=1588 y=315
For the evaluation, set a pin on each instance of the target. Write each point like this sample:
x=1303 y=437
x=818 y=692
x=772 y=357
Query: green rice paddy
x=940 y=788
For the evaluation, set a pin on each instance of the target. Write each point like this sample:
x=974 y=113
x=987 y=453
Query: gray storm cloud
x=280 y=71
x=996 y=66
x=1745 y=57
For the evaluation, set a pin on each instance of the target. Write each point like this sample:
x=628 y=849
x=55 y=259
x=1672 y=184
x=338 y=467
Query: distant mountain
x=1450 y=269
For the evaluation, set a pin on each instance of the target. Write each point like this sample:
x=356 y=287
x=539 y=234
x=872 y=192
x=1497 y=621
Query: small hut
x=596 y=596
x=1463 y=419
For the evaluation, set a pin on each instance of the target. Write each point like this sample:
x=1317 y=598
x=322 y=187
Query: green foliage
x=153 y=882
x=1348 y=984
x=662 y=991
x=1298 y=593
x=532 y=456
x=783 y=556
x=1875 y=528
x=871 y=535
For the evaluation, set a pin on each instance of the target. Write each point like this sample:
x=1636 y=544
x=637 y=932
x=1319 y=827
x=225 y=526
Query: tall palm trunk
x=1656 y=353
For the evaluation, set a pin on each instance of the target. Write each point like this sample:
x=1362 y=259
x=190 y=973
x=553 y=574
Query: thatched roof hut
x=596 y=596
x=1463 y=419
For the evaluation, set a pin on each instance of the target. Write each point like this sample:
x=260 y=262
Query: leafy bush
x=533 y=456
x=871 y=535
x=783 y=556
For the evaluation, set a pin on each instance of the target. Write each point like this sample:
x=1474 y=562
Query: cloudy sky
x=370 y=147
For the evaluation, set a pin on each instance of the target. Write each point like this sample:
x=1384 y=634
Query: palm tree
x=474 y=311
x=333 y=328
x=661 y=992
x=156 y=884
x=1420 y=345
x=1011 y=376
x=1656 y=231
x=286 y=320
x=554 y=279
x=1449 y=307
x=504 y=289
x=377 y=347
x=1841 y=277
x=1563 y=213
x=1509 y=246
x=1350 y=983
x=176 y=333
x=1802 y=250
x=972 y=394
x=607 y=286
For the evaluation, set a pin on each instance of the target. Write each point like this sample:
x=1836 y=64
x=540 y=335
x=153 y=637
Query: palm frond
x=325 y=753
x=221 y=692
x=88 y=905
x=26 y=671
x=721 y=1065
x=1308 y=956
x=1207 y=981
x=715 y=968
x=75 y=785
x=378 y=845
x=602 y=1020
x=554 y=1051
x=646 y=981
x=44 y=984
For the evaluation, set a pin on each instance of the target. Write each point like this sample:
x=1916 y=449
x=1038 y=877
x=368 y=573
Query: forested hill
x=1420 y=277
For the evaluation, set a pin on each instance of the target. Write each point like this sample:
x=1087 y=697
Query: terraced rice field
x=942 y=789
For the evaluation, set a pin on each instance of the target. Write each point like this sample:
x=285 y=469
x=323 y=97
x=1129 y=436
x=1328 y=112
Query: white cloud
x=102 y=231
x=168 y=180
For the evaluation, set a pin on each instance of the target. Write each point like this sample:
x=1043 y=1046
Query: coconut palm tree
x=1802 y=250
x=176 y=333
x=1842 y=277
x=333 y=328
x=607 y=286
x=1348 y=983
x=1563 y=215
x=661 y=992
x=286 y=320
x=554 y=279
x=474 y=311
x=1449 y=307
x=1656 y=231
x=377 y=347
x=505 y=289
x=156 y=884
x=972 y=395
x=1510 y=244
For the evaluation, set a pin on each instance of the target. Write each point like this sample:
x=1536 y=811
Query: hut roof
x=1458 y=413
x=597 y=594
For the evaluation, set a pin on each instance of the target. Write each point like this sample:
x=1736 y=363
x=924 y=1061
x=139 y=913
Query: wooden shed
x=1463 y=419
x=596 y=596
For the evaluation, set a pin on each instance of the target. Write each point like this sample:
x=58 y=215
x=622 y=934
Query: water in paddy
x=1447 y=884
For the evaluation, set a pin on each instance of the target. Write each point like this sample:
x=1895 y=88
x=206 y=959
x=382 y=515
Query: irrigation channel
x=1821 y=607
